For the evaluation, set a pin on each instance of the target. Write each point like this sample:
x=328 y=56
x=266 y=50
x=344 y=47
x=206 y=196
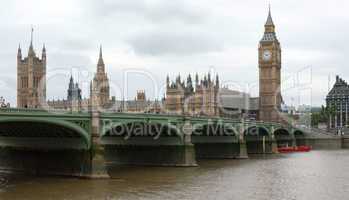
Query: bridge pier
x=274 y=144
x=243 y=146
x=95 y=166
x=189 y=148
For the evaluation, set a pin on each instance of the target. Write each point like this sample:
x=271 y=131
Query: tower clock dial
x=266 y=55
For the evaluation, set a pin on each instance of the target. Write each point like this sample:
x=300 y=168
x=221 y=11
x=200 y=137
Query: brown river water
x=317 y=175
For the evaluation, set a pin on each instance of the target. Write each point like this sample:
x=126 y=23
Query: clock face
x=266 y=55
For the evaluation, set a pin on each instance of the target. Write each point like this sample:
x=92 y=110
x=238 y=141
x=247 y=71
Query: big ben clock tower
x=269 y=58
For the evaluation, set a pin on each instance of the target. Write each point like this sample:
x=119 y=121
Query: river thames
x=318 y=175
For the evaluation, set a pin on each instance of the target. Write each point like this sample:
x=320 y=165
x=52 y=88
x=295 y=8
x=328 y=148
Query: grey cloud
x=75 y=43
x=159 y=11
x=178 y=28
x=67 y=60
x=175 y=43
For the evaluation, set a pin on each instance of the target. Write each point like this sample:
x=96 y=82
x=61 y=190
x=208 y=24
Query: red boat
x=294 y=149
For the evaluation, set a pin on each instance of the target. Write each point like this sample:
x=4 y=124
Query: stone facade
x=74 y=101
x=187 y=98
x=140 y=104
x=31 y=78
x=99 y=93
x=99 y=88
x=338 y=98
x=269 y=52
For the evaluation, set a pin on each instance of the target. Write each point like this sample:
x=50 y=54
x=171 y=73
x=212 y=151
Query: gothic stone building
x=74 y=101
x=338 y=98
x=140 y=104
x=186 y=98
x=99 y=93
x=99 y=88
x=31 y=78
x=269 y=57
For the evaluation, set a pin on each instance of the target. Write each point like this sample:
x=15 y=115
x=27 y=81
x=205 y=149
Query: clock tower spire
x=269 y=60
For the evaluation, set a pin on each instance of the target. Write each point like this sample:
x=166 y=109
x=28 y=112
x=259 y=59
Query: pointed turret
x=190 y=84
x=100 y=65
x=31 y=51
x=269 y=29
x=19 y=52
x=269 y=24
x=43 y=54
x=178 y=80
x=217 y=81
x=71 y=82
x=269 y=21
x=100 y=85
x=167 y=81
x=196 y=79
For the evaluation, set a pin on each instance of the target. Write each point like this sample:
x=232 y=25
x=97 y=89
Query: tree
x=324 y=116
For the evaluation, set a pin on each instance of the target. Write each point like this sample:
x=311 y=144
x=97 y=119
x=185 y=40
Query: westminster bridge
x=83 y=144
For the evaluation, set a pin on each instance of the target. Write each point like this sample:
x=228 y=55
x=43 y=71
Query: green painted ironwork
x=81 y=122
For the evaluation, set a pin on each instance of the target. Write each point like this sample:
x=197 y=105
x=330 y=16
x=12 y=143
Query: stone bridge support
x=189 y=155
x=95 y=164
x=242 y=143
x=294 y=140
x=274 y=145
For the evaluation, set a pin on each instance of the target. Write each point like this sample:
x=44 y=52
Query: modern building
x=236 y=104
x=31 y=78
x=269 y=57
x=338 y=99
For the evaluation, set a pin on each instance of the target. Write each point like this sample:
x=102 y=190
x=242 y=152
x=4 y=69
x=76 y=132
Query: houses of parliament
x=187 y=96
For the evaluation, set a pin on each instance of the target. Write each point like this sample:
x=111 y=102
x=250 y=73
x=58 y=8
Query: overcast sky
x=145 y=40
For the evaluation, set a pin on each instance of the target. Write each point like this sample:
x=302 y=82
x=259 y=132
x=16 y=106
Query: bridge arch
x=283 y=137
x=258 y=139
x=43 y=133
x=300 y=137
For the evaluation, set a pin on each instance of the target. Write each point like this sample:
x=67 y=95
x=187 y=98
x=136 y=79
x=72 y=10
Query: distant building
x=31 y=78
x=235 y=104
x=338 y=98
x=74 y=99
x=99 y=88
x=140 y=104
x=206 y=98
x=99 y=93
x=199 y=98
